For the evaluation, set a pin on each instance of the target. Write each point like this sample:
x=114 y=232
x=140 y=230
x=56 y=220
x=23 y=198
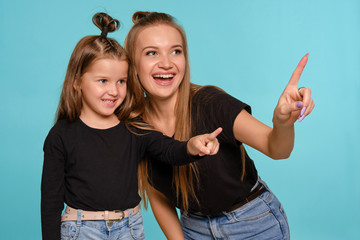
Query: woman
x=216 y=194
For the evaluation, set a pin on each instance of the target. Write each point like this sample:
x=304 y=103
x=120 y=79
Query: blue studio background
x=248 y=48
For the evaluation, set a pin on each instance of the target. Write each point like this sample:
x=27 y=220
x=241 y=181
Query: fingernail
x=299 y=104
x=301 y=118
x=302 y=111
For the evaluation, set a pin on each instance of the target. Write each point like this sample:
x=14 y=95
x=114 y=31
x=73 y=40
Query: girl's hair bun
x=139 y=15
x=105 y=23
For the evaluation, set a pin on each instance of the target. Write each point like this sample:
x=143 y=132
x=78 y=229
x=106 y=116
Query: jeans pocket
x=69 y=231
x=251 y=214
x=278 y=211
x=253 y=210
x=255 y=220
x=136 y=226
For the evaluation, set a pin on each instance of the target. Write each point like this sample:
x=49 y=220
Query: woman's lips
x=164 y=79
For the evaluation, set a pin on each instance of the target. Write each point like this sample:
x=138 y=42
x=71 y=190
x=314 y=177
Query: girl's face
x=103 y=88
x=159 y=60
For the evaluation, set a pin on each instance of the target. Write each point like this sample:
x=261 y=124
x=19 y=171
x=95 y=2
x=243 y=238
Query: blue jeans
x=128 y=228
x=261 y=219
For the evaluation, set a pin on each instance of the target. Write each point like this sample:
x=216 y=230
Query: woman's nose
x=165 y=62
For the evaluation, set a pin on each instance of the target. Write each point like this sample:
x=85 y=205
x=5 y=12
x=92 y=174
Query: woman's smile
x=160 y=61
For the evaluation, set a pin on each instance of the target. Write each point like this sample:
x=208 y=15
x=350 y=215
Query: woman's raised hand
x=205 y=144
x=294 y=103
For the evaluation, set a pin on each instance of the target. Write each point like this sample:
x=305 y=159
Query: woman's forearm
x=281 y=141
x=166 y=215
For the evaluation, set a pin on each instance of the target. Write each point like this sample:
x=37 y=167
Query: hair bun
x=139 y=15
x=105 y=23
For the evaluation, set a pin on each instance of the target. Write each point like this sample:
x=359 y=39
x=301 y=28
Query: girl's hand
x=206 y=144
x=294 y=103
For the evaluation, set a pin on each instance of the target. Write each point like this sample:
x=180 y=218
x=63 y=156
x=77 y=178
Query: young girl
x=91 y=157
x=221 y=196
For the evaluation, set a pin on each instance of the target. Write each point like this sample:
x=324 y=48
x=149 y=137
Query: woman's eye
x=177 y=51
x=102 y=80
x=150 y=53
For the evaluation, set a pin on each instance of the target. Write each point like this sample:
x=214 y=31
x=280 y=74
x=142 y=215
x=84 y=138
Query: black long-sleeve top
x=96 y=169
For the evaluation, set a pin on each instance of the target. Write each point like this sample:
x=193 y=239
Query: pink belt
x=71 y=214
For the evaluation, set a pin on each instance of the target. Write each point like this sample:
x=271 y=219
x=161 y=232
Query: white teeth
x=164 y=75
x=108 y=101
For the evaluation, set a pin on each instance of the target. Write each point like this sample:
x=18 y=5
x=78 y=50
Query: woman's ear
x=76 y=84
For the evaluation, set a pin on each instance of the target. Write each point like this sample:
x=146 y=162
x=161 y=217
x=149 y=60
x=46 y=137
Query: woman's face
x=160 y=60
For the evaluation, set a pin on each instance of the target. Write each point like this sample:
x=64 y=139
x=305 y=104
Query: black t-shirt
x=220 y=183
x=96 y=169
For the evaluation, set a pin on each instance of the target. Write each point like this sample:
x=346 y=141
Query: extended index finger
x=214 y=134
x=298 y=71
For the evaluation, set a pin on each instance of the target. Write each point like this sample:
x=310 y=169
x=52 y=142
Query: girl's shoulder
x=61 y=129
x=138 y=126
x=63 y=124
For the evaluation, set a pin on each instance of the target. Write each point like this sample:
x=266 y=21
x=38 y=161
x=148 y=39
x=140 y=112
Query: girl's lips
x=110 y=102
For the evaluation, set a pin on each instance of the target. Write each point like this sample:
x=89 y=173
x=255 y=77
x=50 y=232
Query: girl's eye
x=102 y=80
x=122 y=81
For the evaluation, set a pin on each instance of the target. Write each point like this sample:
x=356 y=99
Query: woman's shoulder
x=212 y=99
x=211 y=94
x=208 y=89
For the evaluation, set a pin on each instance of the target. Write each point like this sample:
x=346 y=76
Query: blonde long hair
x=184 y=177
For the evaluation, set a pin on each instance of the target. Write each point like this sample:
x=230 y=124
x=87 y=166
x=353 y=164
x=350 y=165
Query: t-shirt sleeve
x=158 y=146
x=213 y=108
x=52 y=185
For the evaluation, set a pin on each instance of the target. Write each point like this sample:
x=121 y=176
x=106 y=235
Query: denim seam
x=131 y=225
x=276 y=217
x=211 y=228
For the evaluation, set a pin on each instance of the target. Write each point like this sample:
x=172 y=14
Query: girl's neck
x=100 y=123
x=161 y=114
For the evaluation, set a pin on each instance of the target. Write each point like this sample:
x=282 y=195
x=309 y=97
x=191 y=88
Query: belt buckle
x=122 y=214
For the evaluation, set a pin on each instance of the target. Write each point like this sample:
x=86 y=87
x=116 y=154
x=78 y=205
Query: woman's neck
x=161 y=114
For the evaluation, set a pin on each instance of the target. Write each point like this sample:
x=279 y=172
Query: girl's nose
x=113 y=90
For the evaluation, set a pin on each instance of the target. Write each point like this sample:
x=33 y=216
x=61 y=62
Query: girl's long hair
x=88 y=50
